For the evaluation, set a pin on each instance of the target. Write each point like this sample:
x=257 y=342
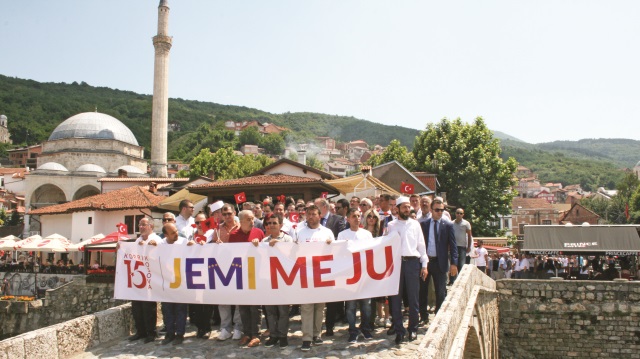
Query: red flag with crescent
x=294 y=217
x=122 y=228
x=240 y=197
x=200 y=239
x=324 y=194
x=406 y=188
x=281 y=198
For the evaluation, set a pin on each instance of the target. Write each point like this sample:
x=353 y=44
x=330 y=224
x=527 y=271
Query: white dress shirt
x=411 y=239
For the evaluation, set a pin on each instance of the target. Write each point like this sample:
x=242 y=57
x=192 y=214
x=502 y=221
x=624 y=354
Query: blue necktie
x=322 y=221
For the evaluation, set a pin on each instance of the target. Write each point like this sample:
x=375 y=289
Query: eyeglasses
x=168 y=220
x=272 y=223
x=371 y=217
x=438 y=209
x=198 y=222
x=227 y=214
x=460 y=213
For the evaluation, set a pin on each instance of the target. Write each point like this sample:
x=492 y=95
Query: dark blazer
x=335 y=223
x=446 y=241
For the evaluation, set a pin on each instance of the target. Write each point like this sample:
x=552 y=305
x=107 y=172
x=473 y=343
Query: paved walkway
x=381 y=346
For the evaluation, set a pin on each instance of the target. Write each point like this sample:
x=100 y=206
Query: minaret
x=160 y=111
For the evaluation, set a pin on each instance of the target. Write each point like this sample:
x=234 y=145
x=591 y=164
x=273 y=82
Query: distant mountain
x=34 y=109
x=503 y=136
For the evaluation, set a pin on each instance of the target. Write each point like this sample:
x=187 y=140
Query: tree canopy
x=467 y=160
x=395 y=151
x=225 y=164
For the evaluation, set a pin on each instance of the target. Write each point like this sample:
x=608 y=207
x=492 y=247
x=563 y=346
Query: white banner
x=242 y=274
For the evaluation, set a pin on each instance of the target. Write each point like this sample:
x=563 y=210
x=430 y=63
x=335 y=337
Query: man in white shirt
x=185 y=219
x=145 y=313
x=311 y=314
x=286 y=224
x=413 y=269
x=174 y=315
x=481 y=257
x=355 y=233
x=425 y=208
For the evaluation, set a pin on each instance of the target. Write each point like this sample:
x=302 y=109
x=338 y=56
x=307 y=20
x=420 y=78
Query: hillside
x=34 y=109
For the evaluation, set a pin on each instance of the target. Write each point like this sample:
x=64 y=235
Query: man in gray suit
x=336 y=224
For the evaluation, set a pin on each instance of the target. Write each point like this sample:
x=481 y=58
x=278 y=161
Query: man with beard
x=413 y=268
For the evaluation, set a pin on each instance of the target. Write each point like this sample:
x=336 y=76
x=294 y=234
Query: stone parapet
x=71 y=337
x=560 y=319
x=470 y=309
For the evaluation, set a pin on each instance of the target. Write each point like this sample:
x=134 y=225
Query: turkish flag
x=240 y=197
x=294 y=217
x=282 y=198
x=406 y=188
x=324 y=194
x=199 y=238
x=122 y=228
x=626 y=211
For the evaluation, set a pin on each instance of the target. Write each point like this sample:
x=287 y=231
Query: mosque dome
x=89 y=167
x=94 y=125
x=53 y=166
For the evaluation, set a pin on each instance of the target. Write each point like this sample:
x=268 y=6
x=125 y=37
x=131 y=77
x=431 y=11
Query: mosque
x=92 y=145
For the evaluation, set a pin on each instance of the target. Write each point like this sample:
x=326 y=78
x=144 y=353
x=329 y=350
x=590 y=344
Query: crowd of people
x=580 y=267
x=430 y=243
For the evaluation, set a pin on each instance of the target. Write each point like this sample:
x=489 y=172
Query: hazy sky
x=537 y=70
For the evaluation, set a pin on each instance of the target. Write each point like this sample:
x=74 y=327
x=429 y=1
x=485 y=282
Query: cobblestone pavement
x=381 y=346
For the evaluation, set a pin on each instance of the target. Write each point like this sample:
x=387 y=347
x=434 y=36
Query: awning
x=171 y=203
x=361 y=186
x=610 y=240
x=497 y=249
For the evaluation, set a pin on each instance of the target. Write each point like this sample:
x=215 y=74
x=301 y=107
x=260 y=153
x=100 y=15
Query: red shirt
x=238 y=236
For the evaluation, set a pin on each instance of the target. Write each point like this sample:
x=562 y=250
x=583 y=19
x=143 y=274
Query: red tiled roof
x=142 y=179
x=530 y=203
x=4 y=170
x=258 y=180
x=126 y=198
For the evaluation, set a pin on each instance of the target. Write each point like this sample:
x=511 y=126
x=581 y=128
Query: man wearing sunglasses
x=440 y=240
x=185 y=218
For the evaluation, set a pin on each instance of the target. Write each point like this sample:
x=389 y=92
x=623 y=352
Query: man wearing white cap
x=414 y=266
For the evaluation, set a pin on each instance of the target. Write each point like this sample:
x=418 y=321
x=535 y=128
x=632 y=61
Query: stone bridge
x=465 y=327
x=467 y=324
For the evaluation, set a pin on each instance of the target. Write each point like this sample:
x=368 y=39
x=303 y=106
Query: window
x=506 y=224
x=546 y=222
x=90 y=220
x=132 y=223
x=521 y=228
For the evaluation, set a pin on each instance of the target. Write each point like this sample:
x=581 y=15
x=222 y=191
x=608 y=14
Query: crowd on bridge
x=430 y=243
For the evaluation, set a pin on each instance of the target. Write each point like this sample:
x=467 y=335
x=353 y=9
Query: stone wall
x=71 y=337
x=563 y=319
x=466 y=325
x=72 y=300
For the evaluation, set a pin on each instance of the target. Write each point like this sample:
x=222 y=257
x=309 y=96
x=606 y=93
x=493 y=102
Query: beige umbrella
x=18 y=245
x=7 y=243
x=52 y=243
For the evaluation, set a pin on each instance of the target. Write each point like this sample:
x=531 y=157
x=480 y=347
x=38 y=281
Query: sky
x=540 y=71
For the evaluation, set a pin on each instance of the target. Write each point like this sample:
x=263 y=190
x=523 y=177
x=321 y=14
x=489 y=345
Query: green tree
x=395 y=151
x=611 y=211
x=225 y=164
x=313 y=161
x=628 y=186
x=250 y=136
x=273 y=144
x=3 y=217
x=15 y=218
x=466 y=159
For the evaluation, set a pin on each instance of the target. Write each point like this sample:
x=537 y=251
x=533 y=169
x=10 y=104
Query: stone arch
x=472 y=346
x=86 y=191
x=47 y=195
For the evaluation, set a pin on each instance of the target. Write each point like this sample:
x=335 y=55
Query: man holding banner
x=312 y=313
x=145 y=312
x=414 y=257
